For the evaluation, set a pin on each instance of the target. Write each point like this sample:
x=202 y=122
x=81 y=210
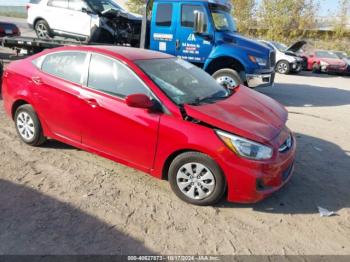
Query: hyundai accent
x=156 y=113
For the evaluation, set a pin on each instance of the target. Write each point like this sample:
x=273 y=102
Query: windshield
x=341 y=55
x=326 y=54
x=183 y=82
x=223 y=20
x=101 y=6
x=279 y=46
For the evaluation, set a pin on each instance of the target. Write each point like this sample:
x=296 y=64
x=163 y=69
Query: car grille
x=287 y=144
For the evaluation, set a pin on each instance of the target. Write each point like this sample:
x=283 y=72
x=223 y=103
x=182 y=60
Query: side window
x=112 y=77
x=77 y=5
x=58 y=3
x=187 y=15
x=34 y=1
x=164 y=14
x=65 y=65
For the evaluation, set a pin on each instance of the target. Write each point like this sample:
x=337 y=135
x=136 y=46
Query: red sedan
x=156 y=113
x=326 y=62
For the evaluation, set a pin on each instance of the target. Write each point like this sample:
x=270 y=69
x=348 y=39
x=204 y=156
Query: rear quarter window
x=66 y=65
x=34 y=1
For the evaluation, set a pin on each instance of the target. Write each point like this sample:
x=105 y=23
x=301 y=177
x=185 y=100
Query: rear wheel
x=28 y=126
x=283 y=67
x=228 y=78
x=43 y=30
x=197 y=179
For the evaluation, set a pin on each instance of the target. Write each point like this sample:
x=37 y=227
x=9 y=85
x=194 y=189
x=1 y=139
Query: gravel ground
x=56 y=199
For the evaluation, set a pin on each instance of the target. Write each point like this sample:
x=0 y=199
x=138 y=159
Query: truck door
x=163 y=28
x=192 y=47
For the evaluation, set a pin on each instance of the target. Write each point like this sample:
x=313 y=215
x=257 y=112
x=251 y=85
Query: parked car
x=287 y=61
x=345 y=57
x=86 y=20
x=156 y=113
x=326 y=62
x=9 y=29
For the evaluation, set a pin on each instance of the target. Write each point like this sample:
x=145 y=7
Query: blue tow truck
x=202 y=32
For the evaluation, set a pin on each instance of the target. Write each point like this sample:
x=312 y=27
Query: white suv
x=85 y=20
x=287 y=61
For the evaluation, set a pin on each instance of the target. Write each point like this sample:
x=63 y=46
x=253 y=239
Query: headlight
x=244 y=147
x=323 y=63
x=258 y=60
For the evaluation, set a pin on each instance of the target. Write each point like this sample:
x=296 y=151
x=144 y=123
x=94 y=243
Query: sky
x=327 y=6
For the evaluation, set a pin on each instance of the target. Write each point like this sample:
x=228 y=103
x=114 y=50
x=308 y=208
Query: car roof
x=128 y=53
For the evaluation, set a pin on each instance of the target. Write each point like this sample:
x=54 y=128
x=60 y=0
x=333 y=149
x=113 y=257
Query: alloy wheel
x=25 y=125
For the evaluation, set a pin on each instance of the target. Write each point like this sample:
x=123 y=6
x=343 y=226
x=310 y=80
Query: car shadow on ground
x=54 y=144
x=321 y=178
x=296 y=95
x=34 y=223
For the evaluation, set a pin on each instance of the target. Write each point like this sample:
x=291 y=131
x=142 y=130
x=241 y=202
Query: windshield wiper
x=211 y=99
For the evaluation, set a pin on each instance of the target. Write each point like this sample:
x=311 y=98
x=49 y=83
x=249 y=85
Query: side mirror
x=198 y=26
x=139 y=101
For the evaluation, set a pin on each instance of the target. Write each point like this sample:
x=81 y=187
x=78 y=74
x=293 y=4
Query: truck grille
x=272 y=59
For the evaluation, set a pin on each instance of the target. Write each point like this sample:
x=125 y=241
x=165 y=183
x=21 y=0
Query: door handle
x=37 y=80
x=177 y=44
x=91 y=101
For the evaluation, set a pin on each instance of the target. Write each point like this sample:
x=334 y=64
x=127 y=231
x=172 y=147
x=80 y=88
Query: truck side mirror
x=198 y=26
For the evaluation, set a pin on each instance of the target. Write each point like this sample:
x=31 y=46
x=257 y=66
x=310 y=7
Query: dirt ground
x=56 y=199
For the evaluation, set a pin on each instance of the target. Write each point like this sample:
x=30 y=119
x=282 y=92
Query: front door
x=193 y=47
x=109 y=124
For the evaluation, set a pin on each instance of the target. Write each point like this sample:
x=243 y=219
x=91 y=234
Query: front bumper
x=296 y=67
x=260 y=80
x=252 y=181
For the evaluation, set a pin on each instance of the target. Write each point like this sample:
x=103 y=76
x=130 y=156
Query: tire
x=283 y=67
x=28 y=126
x=207 y=190
x=227 y=77
x=316 y=68
x=42 y=30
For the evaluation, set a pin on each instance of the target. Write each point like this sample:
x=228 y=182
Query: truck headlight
x=245 y=147
x=258 y=60
x=323 y=63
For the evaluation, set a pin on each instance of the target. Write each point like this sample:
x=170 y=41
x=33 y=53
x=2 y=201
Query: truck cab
x=203 y=32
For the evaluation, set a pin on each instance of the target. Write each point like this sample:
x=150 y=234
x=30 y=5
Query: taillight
x=27 y=7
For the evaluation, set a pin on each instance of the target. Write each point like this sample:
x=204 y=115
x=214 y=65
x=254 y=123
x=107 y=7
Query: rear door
x=55 y=13
x=80 y=22
x=163 y=28
x=56 y=88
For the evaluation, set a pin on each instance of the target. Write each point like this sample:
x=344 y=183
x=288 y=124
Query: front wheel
x=197 y=179
x=316 y=68
x=283 y=67
x=228 y=78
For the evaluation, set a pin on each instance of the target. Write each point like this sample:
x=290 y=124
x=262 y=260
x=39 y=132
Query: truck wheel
x=283 y=67
x=197 y=179
x=228 y=78
x=28 y=126
x=43 y=30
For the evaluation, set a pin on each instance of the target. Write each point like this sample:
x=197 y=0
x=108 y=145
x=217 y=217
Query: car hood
x=296 y=46
x=246 y=113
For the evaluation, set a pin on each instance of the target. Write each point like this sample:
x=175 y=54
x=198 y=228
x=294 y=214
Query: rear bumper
x=260 y=80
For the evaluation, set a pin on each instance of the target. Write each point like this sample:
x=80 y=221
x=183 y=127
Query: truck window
x=187 y=15
x=58 y=3
x=164 y=14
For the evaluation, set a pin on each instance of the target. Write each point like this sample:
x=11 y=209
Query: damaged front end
x=118 y=27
